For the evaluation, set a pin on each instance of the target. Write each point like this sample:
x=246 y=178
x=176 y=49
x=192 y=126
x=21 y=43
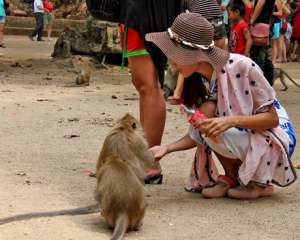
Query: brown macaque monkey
x=84 y=71
x=120 y=176
x=281 y=74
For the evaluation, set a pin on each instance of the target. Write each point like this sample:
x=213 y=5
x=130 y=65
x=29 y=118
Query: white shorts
x=233 y=143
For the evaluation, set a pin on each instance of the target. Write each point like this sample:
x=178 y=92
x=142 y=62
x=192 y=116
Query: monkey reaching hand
x=120 y=176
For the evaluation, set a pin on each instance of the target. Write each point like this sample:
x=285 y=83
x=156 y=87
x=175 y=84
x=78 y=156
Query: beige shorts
x=48 y=18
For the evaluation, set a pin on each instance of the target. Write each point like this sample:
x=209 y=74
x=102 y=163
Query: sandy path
x=42 y=170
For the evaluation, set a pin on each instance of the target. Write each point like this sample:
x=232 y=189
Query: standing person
x=262 y=55
x=244 y=133
x=240 y=39
x=277 y=15
x=283 y=41
x=38 y=9
x=2 y=21
x=147 y=63
x=48 y=17
x=295 y=40
x=224 y=5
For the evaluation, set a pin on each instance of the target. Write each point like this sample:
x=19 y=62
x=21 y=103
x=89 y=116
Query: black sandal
x=154 y=179
x=2 y=45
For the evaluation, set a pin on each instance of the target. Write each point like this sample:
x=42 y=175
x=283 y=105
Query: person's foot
x=175 y=100
x=31 y=38
x=2 y=45
x=220 y=189
x=251 y=191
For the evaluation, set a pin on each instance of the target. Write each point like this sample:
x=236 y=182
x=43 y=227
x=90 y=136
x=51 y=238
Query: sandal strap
x=228 y=180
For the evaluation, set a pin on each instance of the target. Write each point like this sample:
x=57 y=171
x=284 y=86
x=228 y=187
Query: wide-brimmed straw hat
x=190 y=40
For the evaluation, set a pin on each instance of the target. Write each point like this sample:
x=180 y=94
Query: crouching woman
x=244 y=131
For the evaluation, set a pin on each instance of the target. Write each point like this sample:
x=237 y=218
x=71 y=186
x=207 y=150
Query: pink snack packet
x=195 y=117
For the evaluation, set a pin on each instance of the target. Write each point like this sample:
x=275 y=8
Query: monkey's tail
x=120 y=227
x=288 y=76
x=69 y=212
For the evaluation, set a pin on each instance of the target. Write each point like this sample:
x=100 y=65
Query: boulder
x=95 y=39
x=19 y=13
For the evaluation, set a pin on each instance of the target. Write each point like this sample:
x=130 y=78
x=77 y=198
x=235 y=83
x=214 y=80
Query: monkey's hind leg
x=285 y=86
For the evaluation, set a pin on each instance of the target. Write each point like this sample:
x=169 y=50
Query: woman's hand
x=213 y=127
x=159 y=151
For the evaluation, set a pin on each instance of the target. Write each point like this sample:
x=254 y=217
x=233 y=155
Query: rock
x=71 y=136
x=16 y=64
x=73 y=119
x=19 y=13
x=95 y=39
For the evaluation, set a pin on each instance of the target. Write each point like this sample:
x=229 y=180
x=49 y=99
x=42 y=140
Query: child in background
x=240 y=39
x=48 y=17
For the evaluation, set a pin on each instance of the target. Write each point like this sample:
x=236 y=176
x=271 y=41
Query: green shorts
x=48 y=18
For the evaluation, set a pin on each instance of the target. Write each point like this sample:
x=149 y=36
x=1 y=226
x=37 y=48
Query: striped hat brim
x=187 y=56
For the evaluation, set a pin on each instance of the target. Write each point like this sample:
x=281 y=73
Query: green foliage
x=57 y=3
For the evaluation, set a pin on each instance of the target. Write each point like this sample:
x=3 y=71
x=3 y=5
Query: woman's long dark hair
x=194 y=90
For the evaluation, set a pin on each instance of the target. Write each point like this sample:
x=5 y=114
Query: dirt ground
x=42 y=169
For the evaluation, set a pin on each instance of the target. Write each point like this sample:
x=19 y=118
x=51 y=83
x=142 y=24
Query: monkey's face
x=130 y=122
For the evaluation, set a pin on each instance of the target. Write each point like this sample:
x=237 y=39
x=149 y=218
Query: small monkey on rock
x=120 y=176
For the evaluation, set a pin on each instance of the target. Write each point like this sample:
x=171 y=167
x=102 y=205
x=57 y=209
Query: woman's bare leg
x=152 y=103
x=230 y=166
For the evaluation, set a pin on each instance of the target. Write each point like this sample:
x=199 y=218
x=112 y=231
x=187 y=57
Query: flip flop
x=220 y=189
x=251 y=191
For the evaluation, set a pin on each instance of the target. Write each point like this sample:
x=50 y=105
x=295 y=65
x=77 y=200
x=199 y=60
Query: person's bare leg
x=284 y=49
x=152 y=103
x=179 y=88
x=1 y=33
x=275 y=43
x=49 y=31
x=221 y=43
x=230 y=166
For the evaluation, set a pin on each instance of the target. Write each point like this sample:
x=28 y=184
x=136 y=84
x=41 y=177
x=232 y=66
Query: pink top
x=243 y=90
